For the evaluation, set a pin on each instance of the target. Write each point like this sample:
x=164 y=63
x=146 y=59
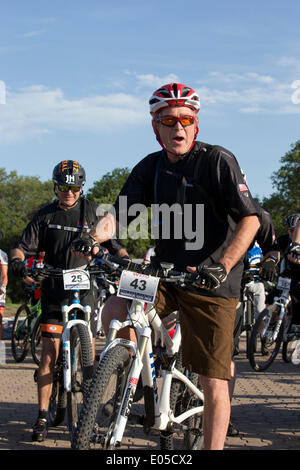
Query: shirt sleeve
x=230 y=185
x=3 y=258
x=29 y=242
x=266 y=234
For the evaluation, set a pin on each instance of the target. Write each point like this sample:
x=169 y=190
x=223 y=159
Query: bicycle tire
x=36 y=341
x=249 y=326
x=258 y=361
x=58 y=398
x=103 y=400
x=20 y=337
x=82 y=369
x=182 y=399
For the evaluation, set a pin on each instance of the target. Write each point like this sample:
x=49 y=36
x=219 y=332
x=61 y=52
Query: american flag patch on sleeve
x=243 y=187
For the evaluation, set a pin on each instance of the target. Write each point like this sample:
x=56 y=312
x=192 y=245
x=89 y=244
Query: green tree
x=21 y=197
x=286 y=199
x=104 y=192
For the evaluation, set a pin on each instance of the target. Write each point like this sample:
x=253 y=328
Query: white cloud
x=250 y=92
x=37 y=110
x=155 y=82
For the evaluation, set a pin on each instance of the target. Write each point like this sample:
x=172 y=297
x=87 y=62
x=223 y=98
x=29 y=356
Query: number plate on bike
x=283 y=283
x=138 y=286
x=76 y=279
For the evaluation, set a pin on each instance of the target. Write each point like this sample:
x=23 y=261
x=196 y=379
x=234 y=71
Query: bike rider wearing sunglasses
x=193 y=173
x=52 y=230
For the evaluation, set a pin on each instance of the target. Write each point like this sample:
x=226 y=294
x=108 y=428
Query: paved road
x=266 y=408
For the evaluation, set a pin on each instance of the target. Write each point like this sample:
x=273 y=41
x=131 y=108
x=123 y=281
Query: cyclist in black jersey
x=265 y=237
x=289 y=248
x=194 y=176
x=52 y=230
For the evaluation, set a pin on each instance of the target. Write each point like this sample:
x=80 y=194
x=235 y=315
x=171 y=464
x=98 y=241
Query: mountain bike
x=74 y=367
x=107 y=408
x=271 y=328
x=26 y=327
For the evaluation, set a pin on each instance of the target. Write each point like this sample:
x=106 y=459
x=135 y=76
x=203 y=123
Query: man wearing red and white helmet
x=194 y=175
x=174 y=109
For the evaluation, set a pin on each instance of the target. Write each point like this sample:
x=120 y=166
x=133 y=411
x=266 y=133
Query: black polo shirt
x=210 y=192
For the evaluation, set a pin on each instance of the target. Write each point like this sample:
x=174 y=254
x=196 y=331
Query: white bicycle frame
x=68 y=325
x=279 y=305
x=143 y=363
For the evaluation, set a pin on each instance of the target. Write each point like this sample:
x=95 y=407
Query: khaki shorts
x=207 y=325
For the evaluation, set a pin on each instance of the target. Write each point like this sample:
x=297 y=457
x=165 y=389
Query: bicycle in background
x=107 y=408
x=272 y=328
x=26 y=327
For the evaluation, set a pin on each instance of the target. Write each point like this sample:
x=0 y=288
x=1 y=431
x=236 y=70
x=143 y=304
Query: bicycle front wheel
x=181 y=400
x=81 y=373
x=58 y=404
x=101 y=406
x=21 y=330
x=263 y=350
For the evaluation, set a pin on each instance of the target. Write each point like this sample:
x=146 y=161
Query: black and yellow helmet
x=69 y=172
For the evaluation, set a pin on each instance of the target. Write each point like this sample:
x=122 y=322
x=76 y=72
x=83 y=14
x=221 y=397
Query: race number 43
x=138 y=286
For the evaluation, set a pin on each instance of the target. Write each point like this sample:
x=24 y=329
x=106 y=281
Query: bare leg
x=116 y=307
x=216 y=412
x=50 y=349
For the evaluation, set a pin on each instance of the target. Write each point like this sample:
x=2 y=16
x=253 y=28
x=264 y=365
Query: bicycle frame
x=143 y=363
x=280 y=306
x=68 y=325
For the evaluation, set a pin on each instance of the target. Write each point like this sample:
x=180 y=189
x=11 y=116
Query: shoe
x=39 y=433
x=296 y=330
x=295 y=359
x=232 y=430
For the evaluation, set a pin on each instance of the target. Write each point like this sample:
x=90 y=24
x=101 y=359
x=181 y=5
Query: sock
x=43 y=414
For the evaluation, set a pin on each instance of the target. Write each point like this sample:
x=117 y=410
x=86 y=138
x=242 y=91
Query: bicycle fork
x=67 y=350
x=278 y=323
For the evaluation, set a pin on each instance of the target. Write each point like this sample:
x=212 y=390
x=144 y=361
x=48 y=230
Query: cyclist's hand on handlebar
x=294 y=252
x=18 y=267
x=268 y=270
x=85 y=246
x=209 y=277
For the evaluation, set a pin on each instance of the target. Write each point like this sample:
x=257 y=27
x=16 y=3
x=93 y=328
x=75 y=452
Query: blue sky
x=78 y=76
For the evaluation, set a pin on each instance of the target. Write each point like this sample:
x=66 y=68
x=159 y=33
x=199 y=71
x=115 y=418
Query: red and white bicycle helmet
x=174 y=94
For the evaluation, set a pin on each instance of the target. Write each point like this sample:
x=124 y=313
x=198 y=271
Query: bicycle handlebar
x=50 y=271
x=164 y=271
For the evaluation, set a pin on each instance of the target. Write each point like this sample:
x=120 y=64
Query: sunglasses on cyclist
x=65 y=189
x=170 y=121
